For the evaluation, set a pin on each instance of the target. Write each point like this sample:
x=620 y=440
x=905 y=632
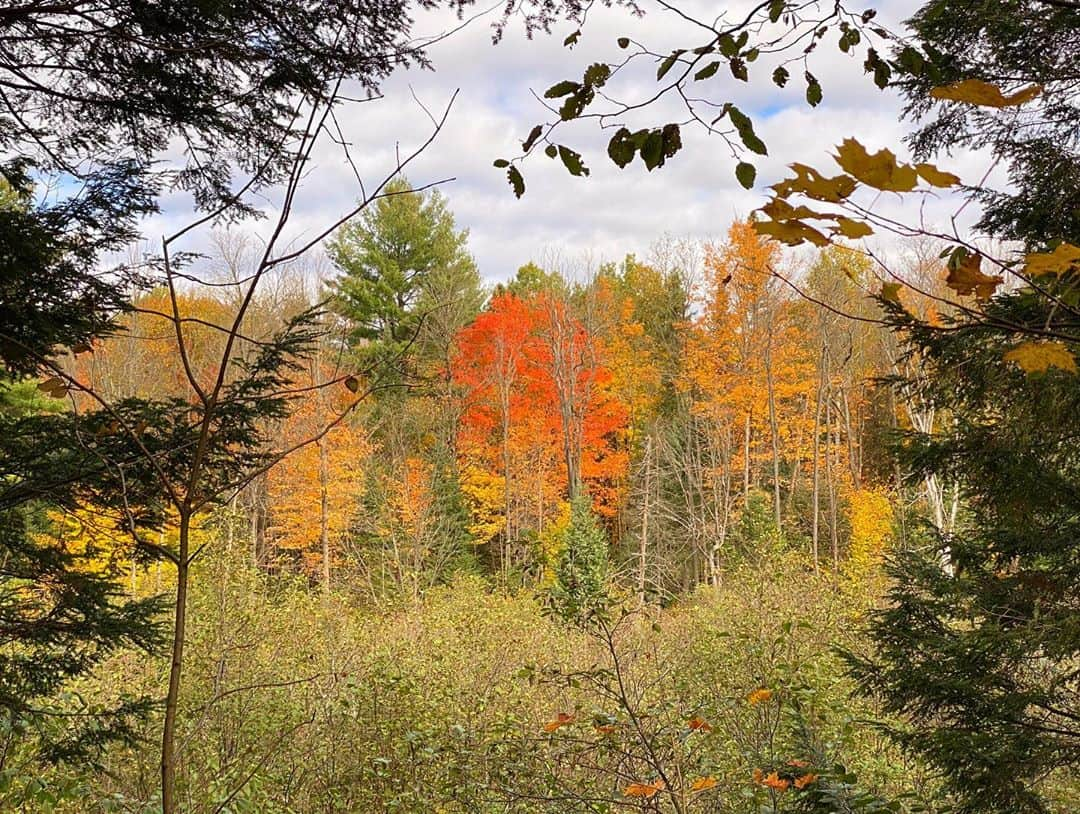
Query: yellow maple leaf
x=935 y=177
x=1063 y=259
x=891 y=292
x=791 y=232
x=1039 y=357
x=759 y=696
x=779 y=209
x=967 y=277
x=853 y=229
x=813 y=184
x=978 y=92
x=703 y=784
x=879 y=170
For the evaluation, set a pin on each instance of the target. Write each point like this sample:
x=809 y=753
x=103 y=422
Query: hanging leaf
x=935 y=177
x=666 y=65
x=746 y=173
x=572 y=161
x=813 y=184
x=513 y=175
x=563 y=88
x=707 y=71
x=879 y=170
x=791 y=232
x=853 y=229
x=571 y=41
x=534 y=134
x=813 y=90
x=966 y=276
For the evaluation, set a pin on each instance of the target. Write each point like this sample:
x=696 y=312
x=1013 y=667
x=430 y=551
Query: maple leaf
x=643 y=789
x=1062 y=260
x=891 y=292
x=966 y=278
x=983 y=94
x=813 y=184
x=759 y=696
x=561 y=720
x=774 y=781
x=703 y=784
x=1039 y=357
x=878 y=170
x=935 y=177
x=853 y=229
x=698 y=723
x=805 y=780
x=791 y=232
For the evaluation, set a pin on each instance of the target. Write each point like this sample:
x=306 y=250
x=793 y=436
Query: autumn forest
x=336 y=518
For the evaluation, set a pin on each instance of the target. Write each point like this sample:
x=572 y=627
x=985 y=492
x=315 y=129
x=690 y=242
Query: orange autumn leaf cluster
x=539 y=408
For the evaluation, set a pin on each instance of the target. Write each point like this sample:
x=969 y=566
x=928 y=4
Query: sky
x=613 y=212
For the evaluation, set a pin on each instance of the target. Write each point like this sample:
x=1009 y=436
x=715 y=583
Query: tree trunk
x=642 y=548
x=774 y=430
x=324 y=510
x=816 y=524
x=169 y=803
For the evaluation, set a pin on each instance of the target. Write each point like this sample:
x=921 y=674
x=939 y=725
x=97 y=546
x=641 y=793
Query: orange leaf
x=703 y=784
x=759 y=696
x=966 y=278
x=561 y=720
x=774 y=781
x=643 y=789
x=699 y=723
x=805 y=780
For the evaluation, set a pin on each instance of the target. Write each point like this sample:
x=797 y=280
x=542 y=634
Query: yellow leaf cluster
x=870 y=515
x=485 y=496
x=759 y=696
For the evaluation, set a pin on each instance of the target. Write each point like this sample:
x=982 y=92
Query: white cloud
x=614 y=211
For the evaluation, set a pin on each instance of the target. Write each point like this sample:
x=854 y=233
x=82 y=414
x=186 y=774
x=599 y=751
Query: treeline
x=715 y=403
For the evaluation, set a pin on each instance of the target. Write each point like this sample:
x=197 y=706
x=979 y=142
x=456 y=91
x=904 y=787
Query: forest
x=312 y=513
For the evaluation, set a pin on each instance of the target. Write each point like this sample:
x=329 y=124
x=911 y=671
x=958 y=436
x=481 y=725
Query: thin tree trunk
x=324 y=511
x=169 y=802
x=816 y=524
x=746 y=460
x=643 y=547
x=774 y=430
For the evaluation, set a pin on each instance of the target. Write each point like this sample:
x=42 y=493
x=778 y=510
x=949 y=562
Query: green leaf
x=551 y=151
x=571 y=41
x=728 y=47
x=780 y=76
x=501 y=163
x=597 y=74
x=665 y=66
x=707 y=71
x=561 y=89
x=534 y=134
x=621 y=148
x=813 y=90
x=572 y=161
x=624 y=42
x=652 y=152
x=746 y=173
x=776 y=8
x=738 y=69
x=672 y=137
x=516 y=181
x=745 y=128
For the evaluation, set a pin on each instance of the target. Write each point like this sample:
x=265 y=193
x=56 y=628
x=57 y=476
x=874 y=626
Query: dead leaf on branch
x=984 y=94
x=966 y=278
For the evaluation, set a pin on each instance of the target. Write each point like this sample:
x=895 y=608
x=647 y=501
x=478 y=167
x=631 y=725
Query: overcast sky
x=612 y=212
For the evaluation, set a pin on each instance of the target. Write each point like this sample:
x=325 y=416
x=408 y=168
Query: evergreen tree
x=582 y=572
x=404 y=269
